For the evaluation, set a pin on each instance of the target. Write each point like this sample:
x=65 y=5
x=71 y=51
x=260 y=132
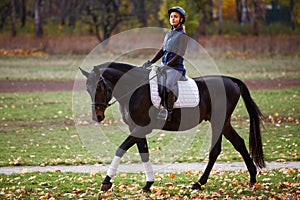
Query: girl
x=172 y=52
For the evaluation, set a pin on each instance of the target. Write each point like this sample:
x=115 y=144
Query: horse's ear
x=96 y=70
x=84 y=73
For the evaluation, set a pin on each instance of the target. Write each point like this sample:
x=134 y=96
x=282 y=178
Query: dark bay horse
x=129 y=85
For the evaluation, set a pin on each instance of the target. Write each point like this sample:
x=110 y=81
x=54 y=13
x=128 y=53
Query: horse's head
x=100 y=93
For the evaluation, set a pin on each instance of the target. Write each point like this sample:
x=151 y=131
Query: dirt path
x=48 y=86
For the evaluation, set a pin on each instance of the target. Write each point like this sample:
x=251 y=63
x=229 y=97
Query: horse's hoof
x=101 y=196
x=146 y=190
x=251 y=184
x=105 y=186
x=196 y=186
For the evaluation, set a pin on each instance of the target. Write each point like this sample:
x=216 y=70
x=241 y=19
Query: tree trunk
x=244 y=11
x=239 y=10
x=220 y=17
x=13 y=17
x=72 y=13
x=202 y=28
x=63 y=14
x=255 y=20
x=23 y=13
x=140 y=11
x=292 y=3
x=38 y=21
x=4 y=12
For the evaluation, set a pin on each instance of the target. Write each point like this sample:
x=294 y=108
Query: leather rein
x=106 y=104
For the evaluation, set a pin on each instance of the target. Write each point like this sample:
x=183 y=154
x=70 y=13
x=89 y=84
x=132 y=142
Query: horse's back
x=217 y=90
x=219 y=82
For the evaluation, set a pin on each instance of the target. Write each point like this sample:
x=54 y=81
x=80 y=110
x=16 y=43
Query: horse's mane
x=123 y=67
x=115 y=70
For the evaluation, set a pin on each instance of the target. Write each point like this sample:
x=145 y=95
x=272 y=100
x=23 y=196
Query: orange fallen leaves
x=172 y=176
x=22 y=52
x=282 y=183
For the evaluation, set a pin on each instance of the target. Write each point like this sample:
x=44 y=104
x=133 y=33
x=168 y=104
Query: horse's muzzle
x=98 y=117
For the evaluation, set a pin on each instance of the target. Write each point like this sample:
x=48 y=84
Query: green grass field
x=65 y=67
x=275 y=184
x=38 y=129
x=35 y=122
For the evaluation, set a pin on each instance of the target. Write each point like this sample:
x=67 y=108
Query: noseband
x=107 y=93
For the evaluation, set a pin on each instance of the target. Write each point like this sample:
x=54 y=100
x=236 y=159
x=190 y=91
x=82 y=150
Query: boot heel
x=162 y=114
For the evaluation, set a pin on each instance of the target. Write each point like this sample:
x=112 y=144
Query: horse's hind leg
x=240 y=146
x=213 y=155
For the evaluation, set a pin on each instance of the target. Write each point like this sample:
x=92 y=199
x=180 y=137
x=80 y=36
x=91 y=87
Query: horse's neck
x=123 y=67
x=126 y=80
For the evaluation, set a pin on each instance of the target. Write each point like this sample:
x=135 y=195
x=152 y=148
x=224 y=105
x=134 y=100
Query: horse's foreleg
x=240 y=146
x=129 y=142
x=213 y=155
x=144 y=153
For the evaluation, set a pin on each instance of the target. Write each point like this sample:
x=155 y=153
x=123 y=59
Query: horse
x=129 y=85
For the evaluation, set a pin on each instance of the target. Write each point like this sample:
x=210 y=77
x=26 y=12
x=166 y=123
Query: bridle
x=107 y=92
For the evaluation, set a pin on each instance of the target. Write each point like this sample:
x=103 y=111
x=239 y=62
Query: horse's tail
x=255 y=143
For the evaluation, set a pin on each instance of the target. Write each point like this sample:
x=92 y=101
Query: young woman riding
x=172 y=52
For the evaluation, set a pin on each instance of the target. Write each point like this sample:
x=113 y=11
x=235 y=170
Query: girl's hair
x=183 y=27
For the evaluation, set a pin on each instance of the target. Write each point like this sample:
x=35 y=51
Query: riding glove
x=147 y=64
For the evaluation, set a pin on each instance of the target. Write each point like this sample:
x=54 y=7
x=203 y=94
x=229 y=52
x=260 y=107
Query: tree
x=69 y=9
x=192 y=10
x=205 y=7
x=23 y=13
x=255 y=17
x=292 y=3
x=13 y=17
x=63 y=13
x=239 y=10
x=139 y=8
x=220 y=18
x=106 y=15
x=38 y=20
x=242 y=11
x=4 y=12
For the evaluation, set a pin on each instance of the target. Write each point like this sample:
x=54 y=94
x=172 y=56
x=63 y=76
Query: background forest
x=103 y=18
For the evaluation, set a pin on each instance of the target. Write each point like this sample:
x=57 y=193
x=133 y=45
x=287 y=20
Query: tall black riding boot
x=170 y=104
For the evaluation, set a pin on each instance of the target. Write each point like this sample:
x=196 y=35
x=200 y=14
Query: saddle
x=186 y=91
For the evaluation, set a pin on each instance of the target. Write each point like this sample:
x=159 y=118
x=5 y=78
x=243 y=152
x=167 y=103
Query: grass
x=277 y=184
x=39 y=68
x=65 y=67
x=262 y=68
x=34 y=123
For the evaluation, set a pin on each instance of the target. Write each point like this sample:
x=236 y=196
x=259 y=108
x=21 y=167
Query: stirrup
x=162 y=114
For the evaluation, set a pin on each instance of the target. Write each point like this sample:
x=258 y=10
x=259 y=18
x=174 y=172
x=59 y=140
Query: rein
x=106 y=105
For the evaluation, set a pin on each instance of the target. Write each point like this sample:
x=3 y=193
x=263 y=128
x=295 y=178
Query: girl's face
x=175 y=18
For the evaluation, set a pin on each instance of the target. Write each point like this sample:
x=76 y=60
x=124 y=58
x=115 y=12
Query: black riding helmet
x=179 y=10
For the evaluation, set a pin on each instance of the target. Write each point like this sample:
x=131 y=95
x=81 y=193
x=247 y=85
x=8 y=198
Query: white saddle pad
x=188 y=92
